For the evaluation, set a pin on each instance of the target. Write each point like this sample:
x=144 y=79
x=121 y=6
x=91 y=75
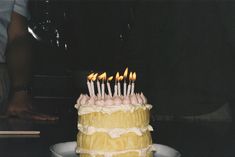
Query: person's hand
x=30 y=115
x=20 y=106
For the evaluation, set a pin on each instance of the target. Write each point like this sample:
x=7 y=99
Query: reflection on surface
x=19 y=136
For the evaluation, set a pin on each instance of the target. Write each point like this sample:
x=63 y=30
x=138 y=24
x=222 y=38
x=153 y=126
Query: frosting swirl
x=113 y=132
x=142 y=152
x=108 y=100
x=109 y=109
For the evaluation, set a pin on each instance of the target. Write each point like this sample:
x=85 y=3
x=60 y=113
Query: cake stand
x=67 y=149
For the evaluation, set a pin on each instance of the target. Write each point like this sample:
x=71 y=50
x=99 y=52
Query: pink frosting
x=91 y=101
x=108 y=100
x=126 y=100
x=117 y=100
x=139 y=99
x=99 y=102
x=133 y=99
x=79 y=99
x=143 y=98
x=84 y=100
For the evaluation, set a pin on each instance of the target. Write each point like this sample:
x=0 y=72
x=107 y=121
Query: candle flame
x=130 y=76
x=120 y=78
x=94 y=77
x=134 y=76
x=125 y=73
x=102 y=76
x=110 y=78
x=89 y=77
x=117 y=76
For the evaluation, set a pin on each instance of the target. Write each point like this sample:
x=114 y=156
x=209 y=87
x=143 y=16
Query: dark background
x=183 y=51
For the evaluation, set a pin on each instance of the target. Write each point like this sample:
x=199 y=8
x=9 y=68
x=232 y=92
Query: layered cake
x=115 y=124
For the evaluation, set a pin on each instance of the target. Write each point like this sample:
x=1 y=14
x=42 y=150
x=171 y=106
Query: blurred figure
x=16 y=52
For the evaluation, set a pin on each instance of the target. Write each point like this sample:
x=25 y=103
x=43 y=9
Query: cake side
x=111 y=130
x=114 y=124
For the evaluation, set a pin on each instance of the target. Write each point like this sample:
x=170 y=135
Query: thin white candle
x=128 y=89
x=89 y=87
x=102 y=77
x=92 y=88
x=129 y=85
x=108 y=85
x=92 y=84
x=102 y=89
x=109 y=89
x=133 y=83
x=89 y=77
x=124 y=88
x=116 y=84
x=98 y=87
x=119 y=88
x=115 y=90
x=124 y=85
x=119 y=85
x=132 y=88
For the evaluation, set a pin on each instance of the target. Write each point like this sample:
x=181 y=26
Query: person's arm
x=17 y=27
x=19 y=62
x=19 y=55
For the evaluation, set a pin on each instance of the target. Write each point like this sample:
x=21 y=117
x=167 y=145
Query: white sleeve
x=21 y=7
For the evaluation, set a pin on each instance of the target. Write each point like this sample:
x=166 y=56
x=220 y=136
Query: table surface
x=191 y=139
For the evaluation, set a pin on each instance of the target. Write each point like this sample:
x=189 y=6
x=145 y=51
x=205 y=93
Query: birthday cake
x=113 y=124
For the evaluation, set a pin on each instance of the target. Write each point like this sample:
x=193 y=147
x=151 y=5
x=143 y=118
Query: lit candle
x=119 y=85
x=133 y=83
x=124 y=85
x=115 y=86
x=89 y=77
x=129 y=85
x=89 y=87
x=98 y=87
x=102 y=88
x=115 y=90
x=103 y=77
x=108 y=85
x=92 y=84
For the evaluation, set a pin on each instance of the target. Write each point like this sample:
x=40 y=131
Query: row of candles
x=102 y=79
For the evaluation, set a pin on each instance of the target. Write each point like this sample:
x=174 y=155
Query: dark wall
x=185 y=45
x=182 y=51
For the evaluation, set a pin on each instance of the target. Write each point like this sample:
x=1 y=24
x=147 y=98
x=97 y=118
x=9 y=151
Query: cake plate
x=67 y=149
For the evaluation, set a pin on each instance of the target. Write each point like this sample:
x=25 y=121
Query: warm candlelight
x=89 y=77
x=103 y=78
x=133 y=83
x=129 y=85
x=124 y=85
x=92 y=83
x=108 y=85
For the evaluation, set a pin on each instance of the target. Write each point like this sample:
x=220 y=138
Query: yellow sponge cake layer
x=114 y=131
x=129 y=154
x=102 y=142
x=120 y=119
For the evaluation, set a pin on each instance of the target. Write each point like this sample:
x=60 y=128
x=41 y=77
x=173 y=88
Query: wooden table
x=191 y=139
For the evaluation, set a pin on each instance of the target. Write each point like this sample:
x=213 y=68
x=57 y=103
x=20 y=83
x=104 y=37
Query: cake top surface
x=133 y=99
x=102 y=97
x=86 y=104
